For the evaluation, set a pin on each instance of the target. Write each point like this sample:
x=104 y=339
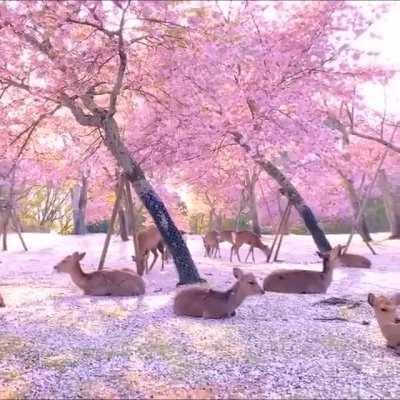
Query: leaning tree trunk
x=253 y=204
x=288 y=190
x=391 y=199
x=185 y=266
x=79 y=204
x=362 y=227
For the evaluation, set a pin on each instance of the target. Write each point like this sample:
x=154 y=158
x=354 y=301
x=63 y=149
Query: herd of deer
x=199 y=301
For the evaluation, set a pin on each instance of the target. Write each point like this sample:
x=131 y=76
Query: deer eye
x=384 y=309
x=252 y=283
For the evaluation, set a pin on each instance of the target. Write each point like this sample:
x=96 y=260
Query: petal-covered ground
x=55 y=342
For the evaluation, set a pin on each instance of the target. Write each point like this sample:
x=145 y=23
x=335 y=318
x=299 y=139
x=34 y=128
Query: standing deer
x=245 y=237
x=208 y=303
x=119 y=282
x=211 y=244
x=353 y=260
x=385 y=313
x=2 y=304
x=303 y=281
x=149 y=240
x=226 y=236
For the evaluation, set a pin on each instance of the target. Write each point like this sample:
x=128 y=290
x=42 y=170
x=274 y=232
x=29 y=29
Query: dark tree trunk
x=362 y=227
x=79 y=204
x=186 y=268
x=288 y=190
x=123 y=227
x=391 y=199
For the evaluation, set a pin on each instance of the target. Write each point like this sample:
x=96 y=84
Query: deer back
x=211 y=239
x=148 y=239
x=355 y=261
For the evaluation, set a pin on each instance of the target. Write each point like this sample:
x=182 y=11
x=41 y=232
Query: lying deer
x=303 y=281
x=353 y=260
x=245 y=237
x=2 y=304
x=208 y=303
x=211 y=244
x=385 y=313
x=122 y=282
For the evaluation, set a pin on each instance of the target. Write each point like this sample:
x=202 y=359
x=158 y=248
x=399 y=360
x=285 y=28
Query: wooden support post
x=17 y=226
x=366 y=196
x=131 y=211
x=280 y=225
x=114 y=214
x=5 y=233
x=282 y=232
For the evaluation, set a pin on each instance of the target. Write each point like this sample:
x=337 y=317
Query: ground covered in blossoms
x=55 y=342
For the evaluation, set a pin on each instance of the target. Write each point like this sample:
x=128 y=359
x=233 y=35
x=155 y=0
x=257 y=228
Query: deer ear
x=81 y=255
x=237 y=273
x=371 y=299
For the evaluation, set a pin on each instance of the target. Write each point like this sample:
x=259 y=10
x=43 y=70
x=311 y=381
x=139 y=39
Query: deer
x=302 y=281
x=226 y=236
x=106 y=282
x=353 y=260
x=209 y=303
x=246 y=237
x=2 y=304
x=149 y=240
x=211 y=244
x=385 y=314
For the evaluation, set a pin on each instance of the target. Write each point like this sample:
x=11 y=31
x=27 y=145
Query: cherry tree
x=75 y=59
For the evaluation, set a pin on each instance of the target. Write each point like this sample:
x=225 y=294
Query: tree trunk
x=79 y=204
x=241 y=207
x=362 y=227
x=391 y=199
x=251 y=187
x=186 y=268
x=288 y=190
x=123 y=226
x=211 y=219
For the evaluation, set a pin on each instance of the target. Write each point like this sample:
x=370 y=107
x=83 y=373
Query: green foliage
x=98 y=227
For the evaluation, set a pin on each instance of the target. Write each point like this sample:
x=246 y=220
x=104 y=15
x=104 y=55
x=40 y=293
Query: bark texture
x=288 y=190
x=391 y=199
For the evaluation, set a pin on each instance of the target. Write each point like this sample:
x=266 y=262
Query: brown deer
x=120 y=282
x=148 y=240
x=245 y=237
x=353 y=260
x=303 y=281
x=208 y=303
x=211 y=244
x=385 y=313
x=2 y=304
x=226 y=236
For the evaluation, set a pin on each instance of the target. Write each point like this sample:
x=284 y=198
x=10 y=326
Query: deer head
x=248 y=284
x=68 y=263
x=385 y=309
x=333 y=256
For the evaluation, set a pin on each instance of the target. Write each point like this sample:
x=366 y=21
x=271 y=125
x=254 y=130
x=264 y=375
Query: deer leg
x=155 y=254
x=237 y=253
x=219 y=251
x=248 y=253
x=252 y=253
x=232 y=251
